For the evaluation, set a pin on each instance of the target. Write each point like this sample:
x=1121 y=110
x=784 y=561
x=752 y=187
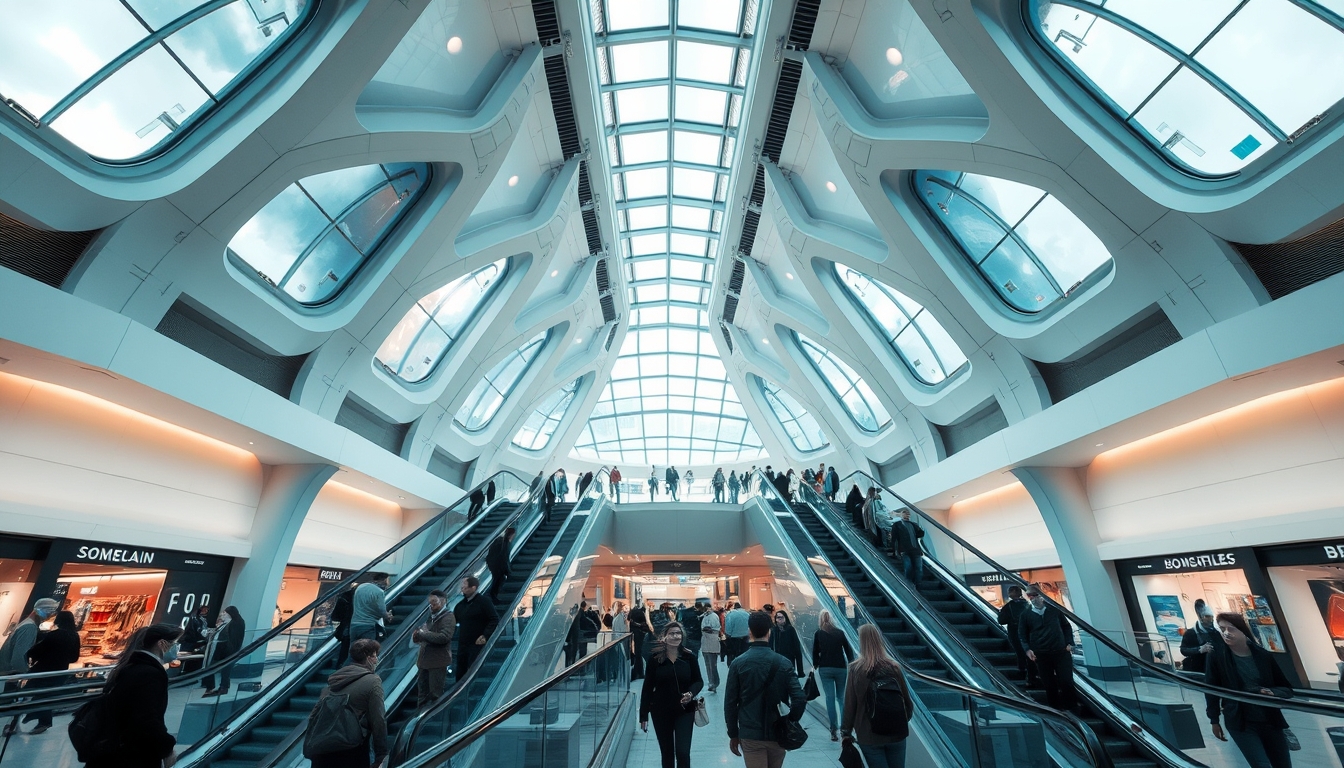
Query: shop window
x=542 y=423
x=1209 y=86
x=436 y=322
x=122 y=79
x=801 y=427
x=1023 y=242
x=312 y=238
x=109 y=603
x=859 y=399
x=493 y=388
x=915 y=335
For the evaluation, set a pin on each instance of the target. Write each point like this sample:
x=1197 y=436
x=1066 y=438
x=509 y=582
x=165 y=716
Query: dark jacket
x=230 y=640
x=1222 y=672
x=476 y=618
x=1010 y=615
x=905 y=537
x=785 y=642
x=831 y=650
x=639 y=621
x=54 y=651
x=436 y=641
x=497 y=556
x=137 y=699
x=854 y=505
x=749 y=709
x=1193 y=638
x=782 y=485
x=193 y=637
x=490 y=493
x=365 y=690
x=478 y=497
x=854 y=715
x=664 y=683
x=1044 y=633
x=343 y=611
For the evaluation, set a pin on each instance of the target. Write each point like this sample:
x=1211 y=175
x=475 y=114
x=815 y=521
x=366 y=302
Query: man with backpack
x=349 y=717
x=758 y=682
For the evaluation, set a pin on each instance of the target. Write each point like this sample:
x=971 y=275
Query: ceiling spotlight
x=765 y=341
x=513 y=181
x=249 y=442
x=578 y=339
x=894 y=57
x=555 y=273
x=1100 y=444
x=830 y=185
x=954 y=495
x=401 y=497
x=789 y=275
x=455 y=45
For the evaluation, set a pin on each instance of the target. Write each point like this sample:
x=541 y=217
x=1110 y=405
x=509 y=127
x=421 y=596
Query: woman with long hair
x=873 y=665
x=639 y=629
x=225 y=640
x=670 y=687
x=54 y=651
x=137 y=699
x=784 y=640
x=1242 y=665
x=830 y=655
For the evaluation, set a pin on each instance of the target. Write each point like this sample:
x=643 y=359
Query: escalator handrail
x=1099 y=756
x=63 y=696
x=1312 y=707
x=449 y=747
x=397 y=755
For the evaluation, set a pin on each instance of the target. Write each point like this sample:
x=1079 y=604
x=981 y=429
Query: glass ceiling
x=671 y=79
x=536 y=432
x=801 y=426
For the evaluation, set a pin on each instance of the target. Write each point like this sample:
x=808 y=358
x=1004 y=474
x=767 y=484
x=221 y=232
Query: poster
x=1167 y=616
x=1330 y=599
x=1261 y=620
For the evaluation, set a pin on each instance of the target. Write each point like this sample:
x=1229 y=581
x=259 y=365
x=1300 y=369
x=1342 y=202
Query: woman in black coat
x=784 y=640
x=137 y=699
x=670 y=686
x=54 y=651
x=1242 y=665
x=228 y=639
x=639 y=629
x=854 y=506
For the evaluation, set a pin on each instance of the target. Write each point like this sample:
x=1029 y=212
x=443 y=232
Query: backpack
x=91 y=733
x=886 y=707
x=333 y=726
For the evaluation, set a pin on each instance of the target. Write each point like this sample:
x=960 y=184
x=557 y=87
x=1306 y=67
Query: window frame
x=538 y=343
x=763 y=390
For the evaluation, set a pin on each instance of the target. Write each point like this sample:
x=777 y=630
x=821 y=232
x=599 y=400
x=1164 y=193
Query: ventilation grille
x=750 y=223
x=730 y=308
x=591 y=230
x=804 y=21
x=1149 y=335
x=603 y=279
x=548 y=22
x=739 y=276
x=902 y=466
x=758 y=187
x=985 y=421
x=40 y=254
x=608 y=307
x=611 y=336
x=446 y=467
x=1287 y=267
x=727 y=337
x=361 y=419
x=197 y=332
x=790 y=74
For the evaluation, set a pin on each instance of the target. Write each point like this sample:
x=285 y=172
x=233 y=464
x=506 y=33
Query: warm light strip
x=365 y=496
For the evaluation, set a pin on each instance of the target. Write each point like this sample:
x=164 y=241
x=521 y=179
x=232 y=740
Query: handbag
x=810 y=689
x=786 y=732
x=696 y=706
x=849 y=755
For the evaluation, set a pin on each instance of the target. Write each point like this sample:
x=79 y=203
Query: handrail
x=53 y=697
x=449 y=747
x=1317 y=708
x=1069 y=720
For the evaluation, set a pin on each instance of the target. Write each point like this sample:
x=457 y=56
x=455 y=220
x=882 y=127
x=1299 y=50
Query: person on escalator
x=476 y=621
x=435 y=638
x=905 y=536
x=490 y=492
x=831 y=655
x=369 y=609
x=875 y=516
x=1199 y=641
x=1010 y=616
x=54 y=651
x=341 y=613
x=1240 y=664
x=832 y=485
x=784 y=640
x=361 y=684
x=135 y=702
x=226 y=639
x=1047 y=638
x=497 y=560
x=477 y=504
x=854 y=506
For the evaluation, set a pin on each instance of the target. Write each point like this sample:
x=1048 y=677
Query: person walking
x=615 y=477
x=435 y=638
x=584 y=482
x=905 y=536
x=831 y=655
x=14 y=653
x=668 y=695
x=226 y=639
x=341 y=613
x=369 y=608
x=1240 y=664
x=758 y=682
x=365 y=689
x=54 y=651
x=718 y=482
x=784 y=640
x=1010 y=616
x=477 y=504
x=734 y=487
x=561 y=485
x=737 y=629
x=690 y=481
x=1199 y=641
x=1047 y=637
x=746 y=480
x=689 y=619
x=639 y=629
x=653 y=484
x=878 y=707
x=673 y=478
x=136 y=700
x=490 y=492
x=476 y=620
x=497 y=561
x=832 y=484
x=711 y=645
x=854 y=506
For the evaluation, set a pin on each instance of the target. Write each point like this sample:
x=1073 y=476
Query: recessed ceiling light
x=249 y=442
x=401 y=497
x=555 y=272
x=455 y=45
x=765 y=341
x=513 y=181
x=1100 y=444
x=894 y=57
x=789 y=275
x=831 y=186
x=578 y=339
x=954 y=495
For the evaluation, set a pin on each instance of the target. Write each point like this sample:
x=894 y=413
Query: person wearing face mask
x=137 y=700
x=1238 y=663
x=784 y=641
x=435 y=638
x=225 y=640
x=365 y=689
x=1199 y=641
x=14 y=653
x=670 y=687
x=54 y=651
x=1047 y=637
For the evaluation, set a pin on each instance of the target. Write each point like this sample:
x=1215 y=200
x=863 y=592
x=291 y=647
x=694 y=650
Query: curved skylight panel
x=120 y=78
x=1024 y=242
x=310 y=239
x=916 y=335
x=855 y=395
x=494 y=387
x=541 y=424
x=801 y=427
x=1211 y=85
x=431 y=327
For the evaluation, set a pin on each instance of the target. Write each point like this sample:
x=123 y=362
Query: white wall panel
x=1006 y=525
x=346 y=528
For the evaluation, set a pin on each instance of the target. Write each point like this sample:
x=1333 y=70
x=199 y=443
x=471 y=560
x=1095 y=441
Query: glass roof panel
x=541 y=424
x=691 y=183
x=801 y=427
x=639 y=61
x=701 y=105
x=704 y=62
x=649 y=182
x=845 y=383
x=918 y=339
x=636 y=14
x=695 y=147
x=720 y=15
x=427 y=331
x=688 y=217
x=648 y=217
x=648 y=147
x=495 y=386
x=642 y=105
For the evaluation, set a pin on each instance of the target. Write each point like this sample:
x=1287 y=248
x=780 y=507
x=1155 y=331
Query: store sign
x=100 y=554
x=329 y=575
x=1194 y=561
x=989 y=579
x=1313 y=553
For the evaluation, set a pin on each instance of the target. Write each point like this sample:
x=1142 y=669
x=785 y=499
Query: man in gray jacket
x=435 y=638
x=749 y=708
x=14 y=653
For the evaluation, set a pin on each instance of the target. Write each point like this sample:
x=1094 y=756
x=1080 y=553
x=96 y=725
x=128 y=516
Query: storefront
x=993 y=587
x=1308 y=580
x=300 y=586
x=20 y=561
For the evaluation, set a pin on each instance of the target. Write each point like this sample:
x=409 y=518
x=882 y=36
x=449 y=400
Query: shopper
x=758 y=682
x=673 y=478
x=832 y=484
x=718 y=482
x=875 y=516
x=341 y=613
x=1240 y=664
x=561 y=485
x=670 y=687
x=14 y=653
x=435 y=638
x=1010 y=616
x=905 y=537
x=639 y=629
x=137 y=700
x=193 y=636
x=584 y=482
x=615 y=477
x=831 y=654
x=477 y=504
x=54 y=651
x=490 y=492
x=784 y=640
x=1199 y=641
x=1047 y=637
x=711 y=646
x=497 y=561
x=369 y=608
x=878 y=707
x=653 y=484
x=226 y=639
x=689 y=618
x=737 y=630
x=548 y=497
x=734 y=487
x=358 y=681
x=476 y=620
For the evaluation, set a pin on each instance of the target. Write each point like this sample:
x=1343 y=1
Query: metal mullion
x=670 y=230
x=648 y=126
x=1321 y=12
x=672 y=14
x=668 y=257
x=671 y=81
x=667 y=303
x=672 y=33
x=332 y=223
x=716 y=169
x=942 y=366
x=690 y=202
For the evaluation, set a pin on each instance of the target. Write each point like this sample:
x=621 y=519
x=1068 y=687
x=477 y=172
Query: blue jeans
x=885 y=755
x=832 y=682
x=1263 y=746
x=913 y=567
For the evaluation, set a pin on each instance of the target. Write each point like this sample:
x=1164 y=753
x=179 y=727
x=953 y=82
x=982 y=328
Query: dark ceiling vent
x=445 y=467
x=41 y=254
x=611 y=336
x=730 y=308
x=727 y=337
x=558 y=82
x=790 y=74
x=972 y=428
x=1291 y=266
x=739 y=276
x=603 y=279
x=758 y=187
x=1147 y=333
x=750 y=223
x=196 y=331
x=361 y=418
x=591 y=230
x=804 y=21
x=608 y=307
x=548 y=22
x=901 y=467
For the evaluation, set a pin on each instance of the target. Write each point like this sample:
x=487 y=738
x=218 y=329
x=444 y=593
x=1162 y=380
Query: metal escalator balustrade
x=1152 y=702
x=269 y=657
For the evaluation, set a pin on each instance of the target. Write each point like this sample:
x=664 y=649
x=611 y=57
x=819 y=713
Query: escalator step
x=289 y=719
x=253 y=751
x=303 y=704
x=270 y=734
